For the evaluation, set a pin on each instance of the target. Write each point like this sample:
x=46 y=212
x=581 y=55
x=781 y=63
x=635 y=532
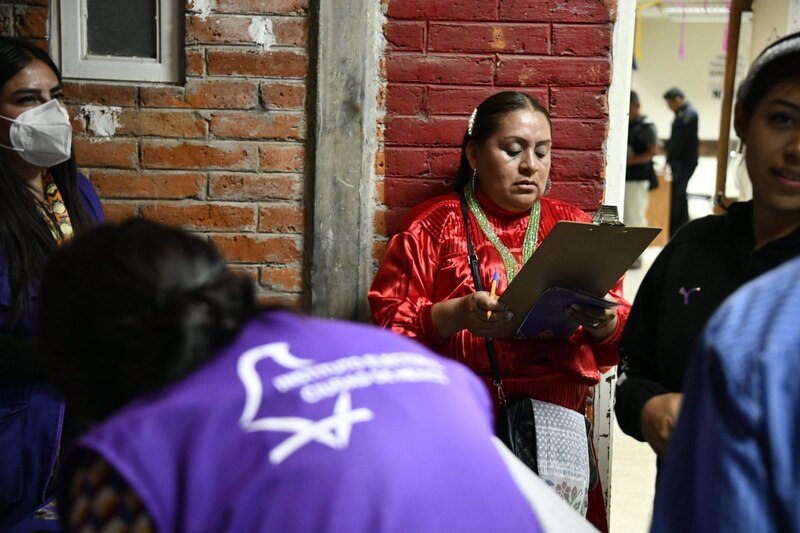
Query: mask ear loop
x=11 y=148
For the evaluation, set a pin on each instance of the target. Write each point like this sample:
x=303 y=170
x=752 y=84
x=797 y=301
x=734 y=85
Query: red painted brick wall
x=222 y=154
x=444 y=58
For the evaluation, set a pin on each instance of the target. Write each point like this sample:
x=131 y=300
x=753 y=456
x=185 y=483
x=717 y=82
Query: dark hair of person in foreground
x=172 y=305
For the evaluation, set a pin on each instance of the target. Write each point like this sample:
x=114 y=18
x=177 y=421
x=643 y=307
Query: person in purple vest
x=44 y=200
x=210 y=414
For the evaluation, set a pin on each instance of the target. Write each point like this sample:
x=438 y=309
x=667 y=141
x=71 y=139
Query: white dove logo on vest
x=333 y=431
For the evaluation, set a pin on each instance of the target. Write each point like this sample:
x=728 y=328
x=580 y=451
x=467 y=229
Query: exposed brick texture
x=436 y=10
x=480 y=38
x=31 y=22
x=203 y=217
x=258 y=248
x=281 y=279
x=223 y=152
x=203 y=94
x=589 y=40
x=279 y=64
x=263 y=7
x=199 y=154
x=401 y=35
x=277 y=95
x=150 y=186
x=235 y=30
x=99 y=94
x=281 y=218
x=444 y=58
x=249 y=186
x=162 y=123
x=251 y=125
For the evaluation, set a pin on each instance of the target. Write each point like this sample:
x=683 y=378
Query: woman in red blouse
x=424 y=287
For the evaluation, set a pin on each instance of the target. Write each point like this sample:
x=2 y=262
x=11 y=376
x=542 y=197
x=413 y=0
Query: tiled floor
x=633 y=466
x=633 y=475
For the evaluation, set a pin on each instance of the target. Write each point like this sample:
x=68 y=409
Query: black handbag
x=515 y=425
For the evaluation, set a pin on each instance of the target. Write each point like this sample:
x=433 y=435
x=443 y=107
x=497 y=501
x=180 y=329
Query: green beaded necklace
x=528 y=244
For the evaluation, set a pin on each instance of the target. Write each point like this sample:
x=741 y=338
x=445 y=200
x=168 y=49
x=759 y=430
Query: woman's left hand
x=598 y=322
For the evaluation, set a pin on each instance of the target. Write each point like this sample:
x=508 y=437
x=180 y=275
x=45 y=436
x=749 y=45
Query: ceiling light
x=696 y=10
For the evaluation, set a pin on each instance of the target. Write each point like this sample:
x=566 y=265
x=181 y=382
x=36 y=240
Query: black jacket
x=684 y=144
x=714 y=254
x=641 y=136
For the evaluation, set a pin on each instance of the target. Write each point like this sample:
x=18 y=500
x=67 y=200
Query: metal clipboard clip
x=607 y=215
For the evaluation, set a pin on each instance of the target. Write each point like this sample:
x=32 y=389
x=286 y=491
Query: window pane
x=122 y=28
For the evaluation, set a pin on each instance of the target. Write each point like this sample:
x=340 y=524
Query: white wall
x=771 y=20
x=660 y=68
x=699 y=75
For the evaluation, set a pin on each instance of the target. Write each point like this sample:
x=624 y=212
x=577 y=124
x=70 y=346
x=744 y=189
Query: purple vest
x=31 y=415
x=305 y=424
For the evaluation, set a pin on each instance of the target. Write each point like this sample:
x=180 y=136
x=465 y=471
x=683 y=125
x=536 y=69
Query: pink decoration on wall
x=727 y=28
x=682 y=45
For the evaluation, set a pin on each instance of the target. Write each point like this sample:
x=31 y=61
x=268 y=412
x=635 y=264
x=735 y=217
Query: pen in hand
x=494 y=289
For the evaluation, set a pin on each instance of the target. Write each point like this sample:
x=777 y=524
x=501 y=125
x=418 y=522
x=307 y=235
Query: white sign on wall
x=794 y=16
x=716 y=73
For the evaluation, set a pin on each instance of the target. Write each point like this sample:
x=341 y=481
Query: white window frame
x=69 y=44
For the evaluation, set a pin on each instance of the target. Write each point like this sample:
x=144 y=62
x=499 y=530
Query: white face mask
x=42 y=135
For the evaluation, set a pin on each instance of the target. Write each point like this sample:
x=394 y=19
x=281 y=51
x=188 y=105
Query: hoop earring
x=474 y=173
x=547 y=186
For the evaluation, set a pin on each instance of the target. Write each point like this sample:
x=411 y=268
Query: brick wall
x=444 y=58
x=222 y=154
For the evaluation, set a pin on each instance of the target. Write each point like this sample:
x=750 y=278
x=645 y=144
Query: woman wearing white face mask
x=43 y=200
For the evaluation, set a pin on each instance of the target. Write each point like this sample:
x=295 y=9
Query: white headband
x=471 y=121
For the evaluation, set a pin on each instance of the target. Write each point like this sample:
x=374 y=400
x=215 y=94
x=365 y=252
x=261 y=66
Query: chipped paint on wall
x=103 y=121
x=202 y=7
x=260 y=30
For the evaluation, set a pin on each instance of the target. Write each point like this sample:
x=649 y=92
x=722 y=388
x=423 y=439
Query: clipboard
x=546 y=319
x=578 y=256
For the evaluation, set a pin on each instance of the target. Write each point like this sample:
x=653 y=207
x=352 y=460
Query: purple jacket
x=31 y=415
x=312 y=425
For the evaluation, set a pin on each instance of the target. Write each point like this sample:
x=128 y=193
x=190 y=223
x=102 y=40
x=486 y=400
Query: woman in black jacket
x=711 y=257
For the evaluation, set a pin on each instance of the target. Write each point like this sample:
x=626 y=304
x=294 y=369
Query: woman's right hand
x=470 y=313
x=659 y=418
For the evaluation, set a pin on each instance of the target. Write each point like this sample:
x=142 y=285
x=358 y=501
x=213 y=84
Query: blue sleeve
x=90 y=199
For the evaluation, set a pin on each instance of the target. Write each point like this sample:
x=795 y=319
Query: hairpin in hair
x=471 y=121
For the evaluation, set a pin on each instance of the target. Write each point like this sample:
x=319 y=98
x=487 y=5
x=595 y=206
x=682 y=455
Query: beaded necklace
x=55 y=211
x=528 y=244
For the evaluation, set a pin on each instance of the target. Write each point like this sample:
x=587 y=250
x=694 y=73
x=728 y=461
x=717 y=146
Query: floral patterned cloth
x=562 y=452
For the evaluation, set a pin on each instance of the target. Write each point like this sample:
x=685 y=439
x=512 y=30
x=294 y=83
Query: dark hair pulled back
x=488 y=116
x=147 y=305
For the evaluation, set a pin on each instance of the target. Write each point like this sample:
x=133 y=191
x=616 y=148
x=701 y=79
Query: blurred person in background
x=683 y=150
x=640 y=175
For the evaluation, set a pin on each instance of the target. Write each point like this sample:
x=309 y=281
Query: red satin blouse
x=426 y=263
